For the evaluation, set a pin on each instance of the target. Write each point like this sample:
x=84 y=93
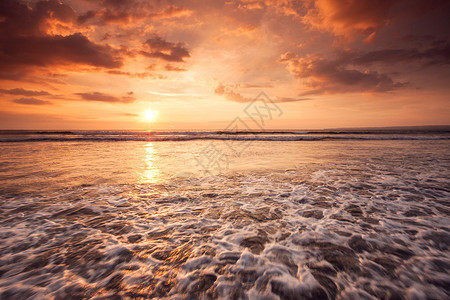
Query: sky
x=197 y=64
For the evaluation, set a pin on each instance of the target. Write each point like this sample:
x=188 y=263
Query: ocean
x=287 y=214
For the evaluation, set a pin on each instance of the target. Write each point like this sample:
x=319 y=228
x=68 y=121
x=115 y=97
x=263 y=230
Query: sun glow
x=150 y=115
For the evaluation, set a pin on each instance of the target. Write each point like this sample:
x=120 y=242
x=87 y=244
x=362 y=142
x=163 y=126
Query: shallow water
x=286 y=220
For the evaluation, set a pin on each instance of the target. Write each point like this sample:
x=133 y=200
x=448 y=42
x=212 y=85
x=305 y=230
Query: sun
x=150 y=115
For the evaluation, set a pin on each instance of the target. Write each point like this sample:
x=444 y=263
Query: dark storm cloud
x=169 y=51
x=102 y=97
x=31 y=101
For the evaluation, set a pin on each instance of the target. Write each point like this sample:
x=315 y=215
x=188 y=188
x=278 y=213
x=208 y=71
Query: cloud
x=347 y=17
x=132 y=75
x=325 y=76
x=230 y=94
x=350 y=72
x=174 y=68
x=430 y=56
x=101 y=97
x=56 y=50
x=18 y=19
x=42 y=36
x=233 y=96
x=130 y=115
x=289 y=99
x=363 y=17
x=252 y=86
x=31 y=101
x=24 y=92
x=128 y=11
x=169 y=51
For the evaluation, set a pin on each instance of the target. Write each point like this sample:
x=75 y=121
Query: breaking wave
x=157 y=136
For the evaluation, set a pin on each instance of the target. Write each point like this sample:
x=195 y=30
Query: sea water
x=213 y=215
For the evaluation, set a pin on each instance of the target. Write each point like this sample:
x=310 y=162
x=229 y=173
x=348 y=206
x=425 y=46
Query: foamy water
x=287 y=220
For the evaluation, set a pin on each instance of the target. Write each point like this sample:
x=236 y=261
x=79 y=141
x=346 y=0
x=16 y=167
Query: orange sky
x=82 y=64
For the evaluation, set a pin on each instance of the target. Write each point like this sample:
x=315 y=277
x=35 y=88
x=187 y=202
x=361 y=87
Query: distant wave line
x=222 y=138
x=220 y=132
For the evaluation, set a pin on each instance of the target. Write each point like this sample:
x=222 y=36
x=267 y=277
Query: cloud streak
x=234 y=96
x=102 y=97
x=174 y=68
x=31 y=101
x=23 y=92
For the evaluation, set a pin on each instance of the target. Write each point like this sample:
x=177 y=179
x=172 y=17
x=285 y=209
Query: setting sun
x=150 y=115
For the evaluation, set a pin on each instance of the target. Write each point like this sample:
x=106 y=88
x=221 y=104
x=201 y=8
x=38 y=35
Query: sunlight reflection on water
x=151 y=173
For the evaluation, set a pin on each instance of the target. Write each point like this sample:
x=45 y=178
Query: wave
x=426 y=130
x=159 y=138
